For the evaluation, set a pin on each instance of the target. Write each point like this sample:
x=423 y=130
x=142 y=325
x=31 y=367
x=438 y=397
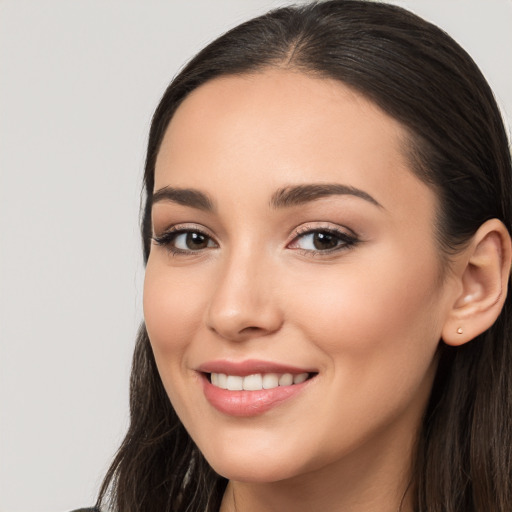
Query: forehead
x=278 y=126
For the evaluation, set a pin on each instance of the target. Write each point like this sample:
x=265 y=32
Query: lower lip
x=249 y=403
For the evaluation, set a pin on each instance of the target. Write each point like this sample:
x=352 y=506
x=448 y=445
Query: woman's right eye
x=185 y=241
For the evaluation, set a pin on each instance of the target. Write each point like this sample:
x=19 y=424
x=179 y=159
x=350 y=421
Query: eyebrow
x=282 y=198
x=184 y=196
x=301 y=194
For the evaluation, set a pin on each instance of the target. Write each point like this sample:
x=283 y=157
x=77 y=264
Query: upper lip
x=249 y=367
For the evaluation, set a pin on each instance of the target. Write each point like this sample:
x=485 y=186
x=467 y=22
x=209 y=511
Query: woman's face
x=292 y=242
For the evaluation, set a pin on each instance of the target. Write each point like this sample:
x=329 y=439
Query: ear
x=482 y=271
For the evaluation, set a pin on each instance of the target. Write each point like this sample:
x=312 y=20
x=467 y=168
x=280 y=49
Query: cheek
x=172 y=310
x=373 y=313
x=379 y=335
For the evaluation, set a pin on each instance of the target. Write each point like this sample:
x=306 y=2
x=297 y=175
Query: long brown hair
x=459 y=147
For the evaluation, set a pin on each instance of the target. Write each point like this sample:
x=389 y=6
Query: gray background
x=78 y=83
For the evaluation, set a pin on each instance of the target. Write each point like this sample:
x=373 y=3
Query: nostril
x=251 y=329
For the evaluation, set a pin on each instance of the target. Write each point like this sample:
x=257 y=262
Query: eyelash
x=345 y=240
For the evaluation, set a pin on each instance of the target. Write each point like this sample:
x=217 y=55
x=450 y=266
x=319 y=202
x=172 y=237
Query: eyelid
x=316 y=226
x=181 y=227
x=308 y=227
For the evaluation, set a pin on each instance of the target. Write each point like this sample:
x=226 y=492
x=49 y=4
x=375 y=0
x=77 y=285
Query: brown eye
x=185 y=241
x=324 y=240
x=192 y=241
x=195 y=241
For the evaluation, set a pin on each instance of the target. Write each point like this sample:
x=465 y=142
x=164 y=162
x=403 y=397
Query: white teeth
x=270 y=380
x=256 y=381
x=235 y=383
x=253 y=382
x=301 y=377
x=286 y=379
x=222 y=380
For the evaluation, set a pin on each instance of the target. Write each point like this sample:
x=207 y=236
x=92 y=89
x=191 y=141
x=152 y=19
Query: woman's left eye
x=323 y=241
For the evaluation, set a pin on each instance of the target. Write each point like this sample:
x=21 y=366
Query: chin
x=271 y=466
x=253 y=472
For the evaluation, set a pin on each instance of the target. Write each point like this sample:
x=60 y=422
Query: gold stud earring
x=459 y=330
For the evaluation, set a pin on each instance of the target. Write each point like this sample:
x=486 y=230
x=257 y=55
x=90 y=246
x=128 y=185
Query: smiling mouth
x=257 y=381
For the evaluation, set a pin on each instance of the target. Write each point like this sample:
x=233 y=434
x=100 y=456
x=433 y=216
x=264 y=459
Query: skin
x=367 y=317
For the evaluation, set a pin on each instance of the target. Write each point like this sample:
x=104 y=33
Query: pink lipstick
x=251 y=387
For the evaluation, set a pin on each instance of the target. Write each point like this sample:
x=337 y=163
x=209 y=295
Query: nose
x=244 y=302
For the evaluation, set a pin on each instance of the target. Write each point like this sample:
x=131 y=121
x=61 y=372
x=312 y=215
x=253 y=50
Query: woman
x=326 y=231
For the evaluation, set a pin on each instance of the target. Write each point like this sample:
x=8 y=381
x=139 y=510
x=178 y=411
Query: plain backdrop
x=78 y=83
